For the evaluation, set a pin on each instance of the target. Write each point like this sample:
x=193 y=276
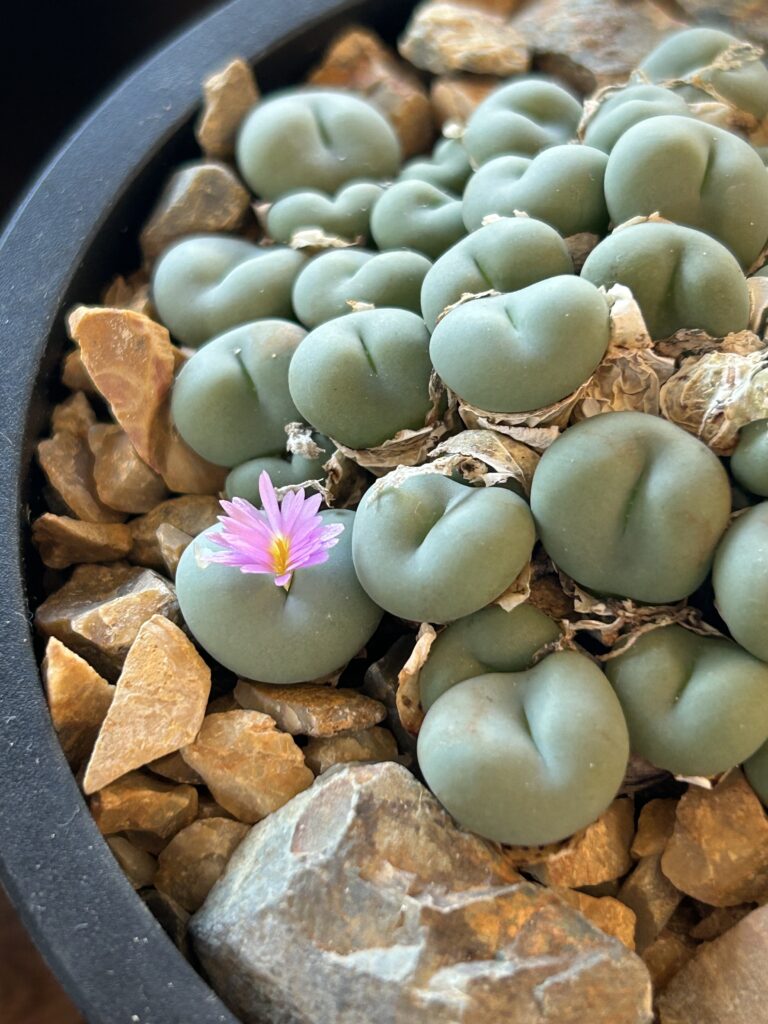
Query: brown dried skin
x=201 y=196
x=228 y=96
x=191 y=514
x=78 y=700
x=195 y=859
x=443 y=37
x=62 y=541
x=159 y=704
x=68 y=465
x=123 y=480
x=139 y=802
x=100 y=610
x=374 y=744
x=249 y=766
x=132 y=362
x=718 y=852
x=358 y=60
x=308 y=709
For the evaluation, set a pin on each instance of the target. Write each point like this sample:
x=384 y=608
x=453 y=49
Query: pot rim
x=111 y=956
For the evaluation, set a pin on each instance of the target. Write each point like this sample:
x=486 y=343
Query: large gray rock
x=360 y=901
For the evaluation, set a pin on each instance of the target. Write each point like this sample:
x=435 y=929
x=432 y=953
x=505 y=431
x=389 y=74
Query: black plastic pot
x=76 y=228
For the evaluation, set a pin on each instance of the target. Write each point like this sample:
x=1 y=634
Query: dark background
x=57 y=57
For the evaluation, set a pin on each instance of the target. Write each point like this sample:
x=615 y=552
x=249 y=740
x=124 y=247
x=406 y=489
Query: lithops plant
x=527 y=757
x=631 y=505
x=207 y=284
x=405 y=549
x=695 y=705
x=314 y=138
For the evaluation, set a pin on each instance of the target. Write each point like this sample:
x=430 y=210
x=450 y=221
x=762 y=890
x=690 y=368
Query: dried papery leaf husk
x=580 y=246
x=410 y=447
x=345 y=482
x=313 y=240
x=537 y=429
x=408 y=697
x=695 y=343
x=358 y=306
x=453 y=129
x=260 y=212
x=593 y=103
x=758 y=305
x=653 y=218
x=518 y=591
x=631 y=373
x=641 y=774
x=299 y=441
x=619 y=622
x=487 y=457
x=715 y=395
x=702 y=781
x=466 y=297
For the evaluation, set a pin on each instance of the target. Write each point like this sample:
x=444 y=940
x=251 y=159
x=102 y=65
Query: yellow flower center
x=280 y=551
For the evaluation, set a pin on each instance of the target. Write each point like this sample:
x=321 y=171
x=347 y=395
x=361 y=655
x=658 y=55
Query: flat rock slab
x=726 y=982
x=360 y=900
x=310 y=709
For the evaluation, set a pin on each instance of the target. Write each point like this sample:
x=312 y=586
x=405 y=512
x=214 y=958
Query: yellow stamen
x=280 y=550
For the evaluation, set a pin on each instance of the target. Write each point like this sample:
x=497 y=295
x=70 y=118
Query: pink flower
x=276 y=540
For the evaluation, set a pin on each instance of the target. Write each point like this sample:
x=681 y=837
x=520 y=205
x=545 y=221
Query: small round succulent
x=272 y=594
x=527 y=758
x=631 y=505
x=741 y=582
x=406 y=552
x=530 y=348
x=695 y=705
x=314 y=138
x=207 y=284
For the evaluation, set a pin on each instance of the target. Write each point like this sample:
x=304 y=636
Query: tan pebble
x=158 y=707
x=442 y=37
x=195 y=859
x=191 y=513
x=123 y=480
x=455 y=97
x=101 y=608
x=374 y=744
x=609 y=915
x=718 y=852
x=78 y=699
x=62 y=541
x=138 y=802
x=725 y=982
x=666 y=955
x=172 y=544
x=74 y=415
x=67 y=463
x=599 y=854
x=654 y=827
x=174 y=767
x=202 y=196
x=228 y=95
x=138 y=865
x=249 y=766
x=652 y=897
x=309 y=709
x=718 y=921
